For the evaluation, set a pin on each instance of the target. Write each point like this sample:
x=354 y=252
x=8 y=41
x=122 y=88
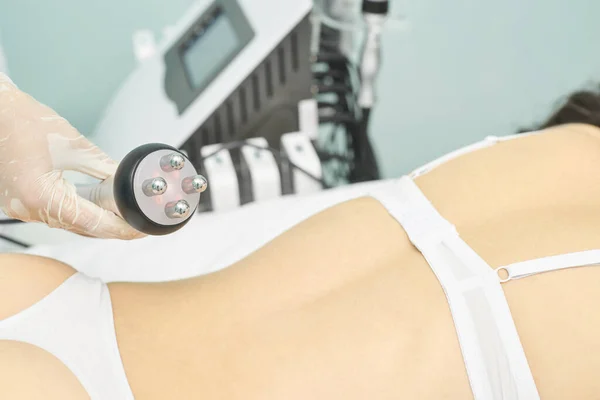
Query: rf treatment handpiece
x=156 y=189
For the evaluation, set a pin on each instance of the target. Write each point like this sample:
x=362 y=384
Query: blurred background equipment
x=226 y=71
x=229 y=72
x=262 y=106
x=452 y=74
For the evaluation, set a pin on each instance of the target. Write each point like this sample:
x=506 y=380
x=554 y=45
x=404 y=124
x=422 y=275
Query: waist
x=364 y=318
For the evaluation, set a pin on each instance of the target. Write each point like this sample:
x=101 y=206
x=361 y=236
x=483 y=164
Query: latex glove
x=36 y=146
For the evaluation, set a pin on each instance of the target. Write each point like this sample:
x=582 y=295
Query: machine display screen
x=214 y=42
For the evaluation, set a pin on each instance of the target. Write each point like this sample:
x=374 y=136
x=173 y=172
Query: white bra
x=494 y=358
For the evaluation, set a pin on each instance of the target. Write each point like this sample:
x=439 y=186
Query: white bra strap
x=494 y=358
x=547 y=264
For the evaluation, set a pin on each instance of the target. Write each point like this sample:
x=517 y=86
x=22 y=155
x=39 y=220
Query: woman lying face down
x=344 y=305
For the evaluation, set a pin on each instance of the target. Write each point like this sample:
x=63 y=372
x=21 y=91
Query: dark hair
x=582 y=106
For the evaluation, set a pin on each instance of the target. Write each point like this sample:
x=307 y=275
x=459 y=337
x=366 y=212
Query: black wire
x=338 y=118
x=8 y=238
x=276 y=153
x=328 y=104
x=335 y=75
x=14 y=241
x=337 y=80
x=327 y=156
x=329 y=45
x=366 y=116
x=368 y=168
x=333 y=58
x=10 y=221
x=337 y=88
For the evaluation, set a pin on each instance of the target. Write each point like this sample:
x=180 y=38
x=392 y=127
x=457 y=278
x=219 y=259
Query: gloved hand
x=36 y=146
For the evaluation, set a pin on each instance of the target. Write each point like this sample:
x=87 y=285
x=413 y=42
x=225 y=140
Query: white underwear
x=494 y=358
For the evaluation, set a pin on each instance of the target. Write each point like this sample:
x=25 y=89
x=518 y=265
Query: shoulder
x=26 y=279
x=571 y=133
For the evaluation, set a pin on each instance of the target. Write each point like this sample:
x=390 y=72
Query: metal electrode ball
x=157 y=189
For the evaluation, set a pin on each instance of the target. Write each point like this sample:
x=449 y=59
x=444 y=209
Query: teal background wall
x=72 y=54
x=461 y=70
x=470 y=68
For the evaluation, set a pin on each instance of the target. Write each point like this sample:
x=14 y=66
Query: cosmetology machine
x=259 y=98
x=245 y=90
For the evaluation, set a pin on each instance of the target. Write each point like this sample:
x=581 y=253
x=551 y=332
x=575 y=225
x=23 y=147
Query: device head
x=157 y=189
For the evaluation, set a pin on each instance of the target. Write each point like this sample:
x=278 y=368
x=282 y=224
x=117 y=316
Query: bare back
x=342 y=306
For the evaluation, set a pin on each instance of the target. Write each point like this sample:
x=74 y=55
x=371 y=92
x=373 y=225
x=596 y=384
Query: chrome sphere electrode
x=157 y=189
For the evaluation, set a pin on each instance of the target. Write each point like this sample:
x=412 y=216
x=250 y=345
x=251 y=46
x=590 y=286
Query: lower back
x=376 y=328
x=342 y=306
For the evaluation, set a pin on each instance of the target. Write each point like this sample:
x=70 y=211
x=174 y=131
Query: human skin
x=342 y=306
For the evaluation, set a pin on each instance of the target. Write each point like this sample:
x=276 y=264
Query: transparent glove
x=36 y=146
